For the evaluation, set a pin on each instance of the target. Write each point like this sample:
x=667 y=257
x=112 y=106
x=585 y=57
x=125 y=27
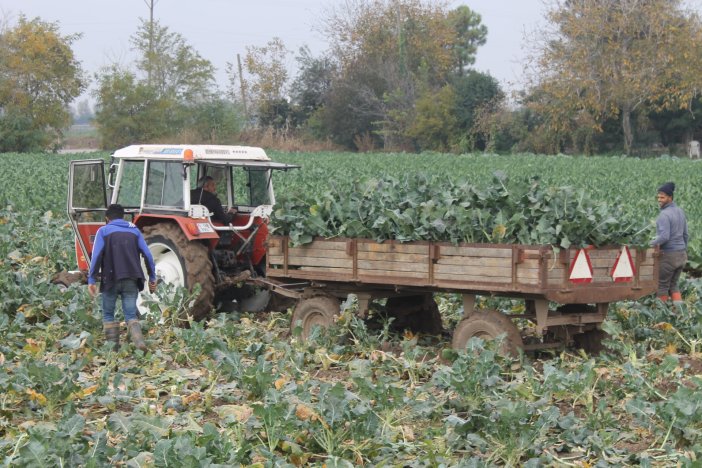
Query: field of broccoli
x=242 y=389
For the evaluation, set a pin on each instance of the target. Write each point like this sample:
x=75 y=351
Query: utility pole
x=243 y=88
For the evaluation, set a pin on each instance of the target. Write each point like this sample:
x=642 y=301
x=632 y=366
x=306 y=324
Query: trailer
x=566 y=292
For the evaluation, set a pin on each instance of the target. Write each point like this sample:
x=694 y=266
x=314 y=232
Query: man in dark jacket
x=671 y=237
x=206 y=194
x=117 y=253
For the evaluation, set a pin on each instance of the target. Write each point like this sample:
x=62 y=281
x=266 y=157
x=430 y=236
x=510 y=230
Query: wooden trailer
x=566 y=292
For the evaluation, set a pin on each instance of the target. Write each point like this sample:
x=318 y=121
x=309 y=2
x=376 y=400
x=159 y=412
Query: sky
x=219 y=29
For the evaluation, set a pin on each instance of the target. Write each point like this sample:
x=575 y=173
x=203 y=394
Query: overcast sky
x=219 y=29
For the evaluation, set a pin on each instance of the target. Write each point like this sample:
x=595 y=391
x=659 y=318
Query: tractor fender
x=187 y=225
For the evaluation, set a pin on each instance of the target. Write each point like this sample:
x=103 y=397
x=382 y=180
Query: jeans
x=129 y=291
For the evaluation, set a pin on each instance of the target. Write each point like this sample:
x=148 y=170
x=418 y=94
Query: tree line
x=607 y=76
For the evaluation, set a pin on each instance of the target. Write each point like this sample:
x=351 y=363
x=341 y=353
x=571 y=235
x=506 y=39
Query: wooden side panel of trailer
x=490 y=268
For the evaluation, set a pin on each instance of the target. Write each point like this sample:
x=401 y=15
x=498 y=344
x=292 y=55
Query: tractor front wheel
x=182 y=263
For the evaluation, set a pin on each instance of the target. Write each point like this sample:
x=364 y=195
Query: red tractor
x=154 y=183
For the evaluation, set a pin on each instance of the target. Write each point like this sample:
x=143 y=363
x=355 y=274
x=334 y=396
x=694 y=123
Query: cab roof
x=197 y=153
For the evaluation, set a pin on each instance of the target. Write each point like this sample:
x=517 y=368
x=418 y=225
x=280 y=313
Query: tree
x=349 y=109
x=435 y=124
x=677 y=125
x=159 y=99
x=474 y=91
x=172 y=67
x=470 y=34
x=39 y=77
x=265 y=81
x=129 y=111
x=215 y=121
x=310 y=88
x=403 y=49
x=611 y=57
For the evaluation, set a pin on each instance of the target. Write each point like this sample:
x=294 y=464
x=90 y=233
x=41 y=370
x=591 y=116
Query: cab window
x=130 y=184
x=219 y=174
x=88 y=186
x=164 y=184
x=251 y=186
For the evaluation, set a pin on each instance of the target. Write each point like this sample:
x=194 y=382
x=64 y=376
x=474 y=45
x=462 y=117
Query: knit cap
x=668 y=188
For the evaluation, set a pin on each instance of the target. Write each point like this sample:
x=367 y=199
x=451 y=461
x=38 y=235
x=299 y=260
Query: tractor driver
x=206 y=194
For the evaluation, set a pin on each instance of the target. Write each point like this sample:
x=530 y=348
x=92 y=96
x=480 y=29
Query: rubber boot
x=134 y=331
x=663 y=299
x=111 y=330
x=677 y=298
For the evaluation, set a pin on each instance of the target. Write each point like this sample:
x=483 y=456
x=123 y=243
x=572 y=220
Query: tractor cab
x=154 y=184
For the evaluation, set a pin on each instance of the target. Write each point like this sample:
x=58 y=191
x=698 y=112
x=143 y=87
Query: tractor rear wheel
x=182 y=263
x=488 y=325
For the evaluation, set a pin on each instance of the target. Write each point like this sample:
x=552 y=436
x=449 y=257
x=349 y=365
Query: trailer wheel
x=591 y=341
x=488 y=325
x=183 y=263
x=315 y=312
x=417 y=313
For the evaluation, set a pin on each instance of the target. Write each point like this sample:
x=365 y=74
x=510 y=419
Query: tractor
x=154 y=183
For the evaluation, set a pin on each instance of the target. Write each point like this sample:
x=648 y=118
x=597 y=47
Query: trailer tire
x=184 y=263
x=419 y=314
x=315 y=312
x=488 y=325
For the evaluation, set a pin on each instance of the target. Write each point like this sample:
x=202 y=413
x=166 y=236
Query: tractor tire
x=488 y=325
x=315 y=312
x=419 y=314
x=183 y=263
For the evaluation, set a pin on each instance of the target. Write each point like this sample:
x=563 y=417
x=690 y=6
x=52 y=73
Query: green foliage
x=605 y=60
x=170 y=94
x=171 y=66
x=435 y=124
x=241 y=389
x=18 y=133
x=129 y=111
x=275 y=114
x=391 y=56
x=310 y=88
x=627 y=184
x=424 y=208
x=470 y=34
x=475 y=93
x=267 y=76
x=39 y=77
x=216 y=121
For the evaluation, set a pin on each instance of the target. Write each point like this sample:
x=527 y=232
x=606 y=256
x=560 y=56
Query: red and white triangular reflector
x=623 y=269
x=581 y=268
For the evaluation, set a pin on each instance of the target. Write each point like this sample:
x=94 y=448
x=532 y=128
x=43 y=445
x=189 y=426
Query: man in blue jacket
x=117 y=253
x=671 y=237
